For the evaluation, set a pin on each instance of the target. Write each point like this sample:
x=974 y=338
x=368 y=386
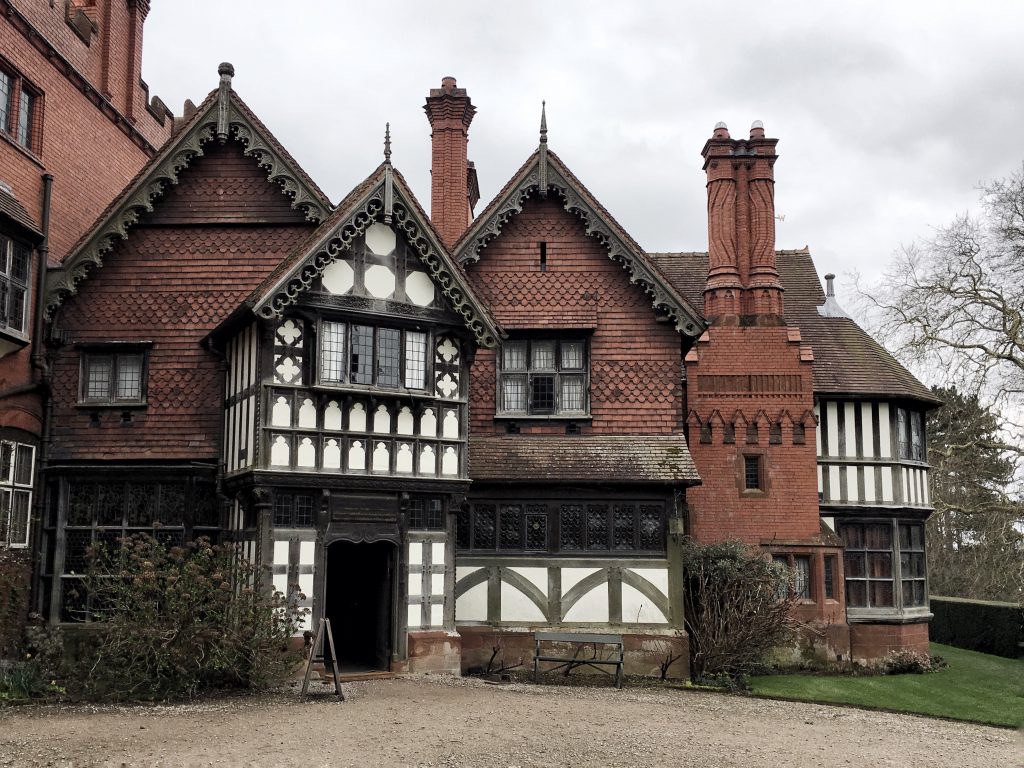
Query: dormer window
x=543 y=377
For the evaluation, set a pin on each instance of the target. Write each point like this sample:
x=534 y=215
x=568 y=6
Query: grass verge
x=976 y=687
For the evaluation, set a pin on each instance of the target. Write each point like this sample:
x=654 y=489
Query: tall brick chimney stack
x=742 y=276
x=450 y=112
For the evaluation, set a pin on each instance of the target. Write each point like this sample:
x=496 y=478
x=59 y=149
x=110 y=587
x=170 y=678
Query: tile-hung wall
x=427 y=576
x=870 y=453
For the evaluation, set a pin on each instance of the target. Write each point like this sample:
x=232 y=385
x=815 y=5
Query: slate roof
x=590 y=458
x=847 y=360
x=11 y=208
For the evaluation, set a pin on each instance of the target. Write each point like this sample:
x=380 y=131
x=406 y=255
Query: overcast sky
x=889 y=114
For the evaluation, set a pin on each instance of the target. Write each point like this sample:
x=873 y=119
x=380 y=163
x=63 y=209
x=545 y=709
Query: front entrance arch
x=359 y=601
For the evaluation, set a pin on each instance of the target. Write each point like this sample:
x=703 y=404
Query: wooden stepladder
x=324 y=641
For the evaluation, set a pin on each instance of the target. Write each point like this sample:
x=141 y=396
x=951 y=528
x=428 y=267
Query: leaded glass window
x=113 y=378
x=881 y=556
x=546 y=377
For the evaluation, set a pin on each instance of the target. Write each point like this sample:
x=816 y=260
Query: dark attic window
x=752 y=434
x=705 y=432
x=729 y=434
x=799 y=435
x=775 y=434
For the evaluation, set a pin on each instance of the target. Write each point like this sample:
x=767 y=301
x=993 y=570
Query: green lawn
x=976 y=686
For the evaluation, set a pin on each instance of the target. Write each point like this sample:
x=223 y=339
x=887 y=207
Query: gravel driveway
x=434 y=721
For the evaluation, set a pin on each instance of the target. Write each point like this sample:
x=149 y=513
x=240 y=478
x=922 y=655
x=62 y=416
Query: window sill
x=887 y=615
x=22 y=149
x=526 y=417
x=11 y=341
x=105 y=406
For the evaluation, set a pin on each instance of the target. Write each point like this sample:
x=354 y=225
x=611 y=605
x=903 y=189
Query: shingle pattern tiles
x=592 y=458
x=847 y=360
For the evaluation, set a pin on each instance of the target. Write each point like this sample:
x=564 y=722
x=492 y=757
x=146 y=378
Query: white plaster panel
x=884 y=438
x=573 y=576
x=868 y=429
x=817 y=429
x=436 y=615
x=415 y=583
x=415 y=553
x=926 y=494
x=472 y=606
x=657 y=576
x=851 y=430
x=380 y=238
x=592 y=608
x=515 y=606
x=281 y=552
x=832 y=413
x=821 y=482
x=307 y=552
x=851 y=484
x=830 y=522
x=419 y=288
x=464 y=571
x=306 y=584
x=437 y=553
x=437 y=583
x=338 y=277
x=869 y=484
x=835 y=489
x=415 y=616
x=637 y=608
x=907 y=492
x=887 y=484
x=536 y=576
x=281 y=583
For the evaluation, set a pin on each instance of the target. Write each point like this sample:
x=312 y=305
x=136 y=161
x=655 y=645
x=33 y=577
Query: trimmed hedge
x=978 y=625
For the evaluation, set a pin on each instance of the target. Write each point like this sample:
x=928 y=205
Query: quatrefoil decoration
x=447 y=350
x=289 y=332
x=287 y=370
x=447 y=386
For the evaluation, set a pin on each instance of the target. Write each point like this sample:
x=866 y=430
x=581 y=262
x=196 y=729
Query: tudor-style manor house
x=444 y=431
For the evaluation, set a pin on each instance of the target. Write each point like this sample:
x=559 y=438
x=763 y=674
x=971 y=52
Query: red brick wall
x=869 y=642
x=720 y=508
x=634 y=359
x=181 y=271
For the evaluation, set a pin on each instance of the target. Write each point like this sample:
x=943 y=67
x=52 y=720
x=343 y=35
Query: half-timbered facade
x=447 y=433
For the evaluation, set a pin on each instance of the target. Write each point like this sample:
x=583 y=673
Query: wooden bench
x=580 y=640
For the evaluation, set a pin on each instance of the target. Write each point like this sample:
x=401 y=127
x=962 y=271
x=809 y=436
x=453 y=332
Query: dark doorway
x=358 y=602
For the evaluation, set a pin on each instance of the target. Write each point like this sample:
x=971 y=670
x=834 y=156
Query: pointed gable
x=222 y=119
x=544 y=175
x=383 y=201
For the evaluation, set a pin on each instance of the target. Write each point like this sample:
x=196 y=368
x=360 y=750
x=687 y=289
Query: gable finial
x=543 y=171
x=226 y=71
x=389 y=177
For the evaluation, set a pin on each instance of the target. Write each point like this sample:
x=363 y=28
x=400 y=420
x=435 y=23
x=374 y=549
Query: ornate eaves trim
x=167 y=167
x=640 y=273
x=370 y=209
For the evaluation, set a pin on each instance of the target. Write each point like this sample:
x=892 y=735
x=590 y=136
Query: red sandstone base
x=871 y=642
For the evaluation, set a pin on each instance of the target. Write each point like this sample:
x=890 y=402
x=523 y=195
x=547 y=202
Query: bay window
x=884 y=564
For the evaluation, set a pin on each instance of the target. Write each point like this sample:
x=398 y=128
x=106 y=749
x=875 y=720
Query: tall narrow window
x=17 y=462
x=332 y=353
x=903 y=433
x=6 y=93
x=25 y=110
x=912 y=574
x=752 y=473
x=361 y=365
x=916 y=437
x=415 y=360
x=14 y=274
x=830 y=577
x=389 y=356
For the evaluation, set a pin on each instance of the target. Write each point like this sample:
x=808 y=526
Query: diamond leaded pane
x=536 y=528
x=462 y=540
x=75 y=544
x=284 y=506
x=484 y=526
x=110 y=505
x=205 y=507
x=81 y=500
x=361 y=357
x=511 y=527
x=623 y=532
x=570 y=526
x=597 y=526
x=651 y=529
x=172 y=503
x=141 y=504
x=389 y=355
